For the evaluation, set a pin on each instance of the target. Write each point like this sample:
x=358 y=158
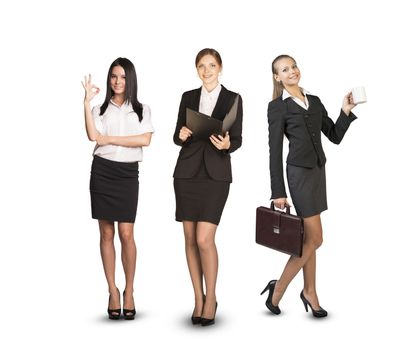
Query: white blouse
x=208 y=99
x=298 y=101
x=121 y=121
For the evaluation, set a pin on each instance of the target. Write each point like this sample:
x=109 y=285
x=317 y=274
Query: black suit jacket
x=195 y=151
x=303 y=130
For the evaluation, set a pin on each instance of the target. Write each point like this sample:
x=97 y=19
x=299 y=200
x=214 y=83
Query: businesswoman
x=121 y=126
x=202 y=178
x=301 y=117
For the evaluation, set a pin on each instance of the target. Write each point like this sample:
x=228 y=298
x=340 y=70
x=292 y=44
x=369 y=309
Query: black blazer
x=303 y=130
x=195 y=151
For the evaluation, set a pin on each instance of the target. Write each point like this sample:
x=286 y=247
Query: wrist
x=346 y=111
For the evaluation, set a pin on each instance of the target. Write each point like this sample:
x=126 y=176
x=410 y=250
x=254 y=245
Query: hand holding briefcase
x=279 y=230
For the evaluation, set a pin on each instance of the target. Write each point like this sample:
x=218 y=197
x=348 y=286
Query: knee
x=126 y=236
x=190 y=241
x=107 y=235
x=204 y=243
x=316 y=240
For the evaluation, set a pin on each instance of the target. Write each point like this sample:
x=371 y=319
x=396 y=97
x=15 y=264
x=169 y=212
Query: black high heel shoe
x=129 y=314
x=197 y=319
x=316 y=313
x=113 y=314
x=269 y=302
x=208 y=321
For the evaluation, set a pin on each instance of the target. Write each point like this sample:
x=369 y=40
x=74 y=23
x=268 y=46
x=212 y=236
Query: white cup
x=359 y=95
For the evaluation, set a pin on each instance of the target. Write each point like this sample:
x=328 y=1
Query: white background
x=53 y=293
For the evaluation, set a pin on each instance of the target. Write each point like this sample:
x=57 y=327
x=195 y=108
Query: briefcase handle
x=273 y=208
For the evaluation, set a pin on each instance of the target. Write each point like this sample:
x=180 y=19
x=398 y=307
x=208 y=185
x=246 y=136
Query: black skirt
x=200 y=198
x=308 y=189
x=114 y=189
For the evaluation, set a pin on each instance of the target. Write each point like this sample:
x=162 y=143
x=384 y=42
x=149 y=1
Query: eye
x=213 y=65
x=285 y=70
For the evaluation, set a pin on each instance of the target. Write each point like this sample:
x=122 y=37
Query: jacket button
x=306 y=116
x=313 y=134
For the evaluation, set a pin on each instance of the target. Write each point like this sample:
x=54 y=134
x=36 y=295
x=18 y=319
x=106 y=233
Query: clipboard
x=203 y=125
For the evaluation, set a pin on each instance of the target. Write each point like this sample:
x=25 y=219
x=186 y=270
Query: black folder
x=203 y=125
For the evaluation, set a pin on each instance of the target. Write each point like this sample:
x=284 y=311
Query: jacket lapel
x=222 y=104
x=314 y=106
x=195 y=100
x=293 y=107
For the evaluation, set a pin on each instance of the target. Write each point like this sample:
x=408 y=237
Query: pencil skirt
x=114 y=189
x=200 y=198
x=308 y=189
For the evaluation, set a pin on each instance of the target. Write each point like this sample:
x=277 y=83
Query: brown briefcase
x=279 y=230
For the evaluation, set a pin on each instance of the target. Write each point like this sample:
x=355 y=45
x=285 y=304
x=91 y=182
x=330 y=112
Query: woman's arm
x=182 y=135
x=140 y=140
x=275 y=141
x=90 y=92
x=336 y=131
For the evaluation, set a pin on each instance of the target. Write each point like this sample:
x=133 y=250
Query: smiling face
x=208 y=70
x=118 y=80
x=287 y=72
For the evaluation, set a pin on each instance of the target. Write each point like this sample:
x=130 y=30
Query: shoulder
x=229 y=92
x=146 y=109
x=191 y=93
x=276 y=104
x=96 y=110
x=313 y=98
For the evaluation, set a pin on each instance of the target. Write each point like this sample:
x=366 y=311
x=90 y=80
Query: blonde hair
x=278 y=86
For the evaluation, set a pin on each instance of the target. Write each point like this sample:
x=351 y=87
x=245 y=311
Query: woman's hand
x=184 y=133
x=281 y=203
x=221 y=142
x=102 y=140
x=91 y=90
x=348 y=104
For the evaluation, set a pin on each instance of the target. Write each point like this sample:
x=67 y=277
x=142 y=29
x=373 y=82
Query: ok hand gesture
x=91 y=90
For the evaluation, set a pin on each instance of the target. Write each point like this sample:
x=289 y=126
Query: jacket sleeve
x=275 y=141
x=235 y=131
x=182 y=121
x=335 y=132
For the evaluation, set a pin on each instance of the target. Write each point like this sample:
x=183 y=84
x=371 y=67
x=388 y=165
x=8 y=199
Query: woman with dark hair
x=301 y=117
x=202 y=178
x=121 y=126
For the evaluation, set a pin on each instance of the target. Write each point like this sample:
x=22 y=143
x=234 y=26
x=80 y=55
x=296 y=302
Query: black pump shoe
x=269 y=302
x=197 y=319
x=113 y=314
x=316 y=313
x=129 y=314
x=207 y=321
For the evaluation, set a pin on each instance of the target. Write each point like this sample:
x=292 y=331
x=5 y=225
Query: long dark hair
x=278 y=86
x=130 y=94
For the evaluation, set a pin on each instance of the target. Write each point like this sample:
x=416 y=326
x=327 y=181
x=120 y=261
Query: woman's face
x=118 y=80
x=208 y=70
x=287 y=72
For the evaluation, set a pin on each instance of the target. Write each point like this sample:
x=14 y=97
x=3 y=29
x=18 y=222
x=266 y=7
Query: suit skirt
x=200 y=198
x=114 y=190
x=308 y=189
